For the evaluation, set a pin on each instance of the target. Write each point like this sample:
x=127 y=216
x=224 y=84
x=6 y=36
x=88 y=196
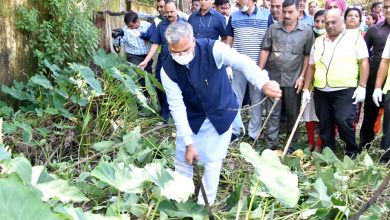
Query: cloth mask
x=183 y=59
x=319 y=31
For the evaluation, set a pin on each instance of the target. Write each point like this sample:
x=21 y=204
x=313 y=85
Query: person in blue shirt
x=161 y=12
x=303 y=16
x=158 y=39
x=207 y=22
x=201 y=99
x=245 y=33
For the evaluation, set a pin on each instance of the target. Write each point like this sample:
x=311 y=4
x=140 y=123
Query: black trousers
x=336 y=109
x=370 y=109
x=137 y=59
x=386 y=127
x=370 y=114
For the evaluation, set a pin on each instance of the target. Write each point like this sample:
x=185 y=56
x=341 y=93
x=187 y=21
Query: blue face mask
x=319 y=31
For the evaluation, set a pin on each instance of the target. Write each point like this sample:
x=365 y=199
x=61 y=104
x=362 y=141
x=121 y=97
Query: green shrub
x=62 y=33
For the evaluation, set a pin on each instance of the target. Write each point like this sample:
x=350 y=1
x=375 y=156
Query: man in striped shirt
x=245 y=32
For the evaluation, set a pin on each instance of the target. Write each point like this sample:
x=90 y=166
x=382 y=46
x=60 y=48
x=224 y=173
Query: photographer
x=130 y=35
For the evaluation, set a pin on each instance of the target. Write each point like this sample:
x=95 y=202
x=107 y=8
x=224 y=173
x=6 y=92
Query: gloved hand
x=377 y=96
x=229 y=72
x=306 y=96
x=359 y=95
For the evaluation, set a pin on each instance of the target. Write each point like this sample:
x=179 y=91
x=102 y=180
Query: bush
x=62 y=33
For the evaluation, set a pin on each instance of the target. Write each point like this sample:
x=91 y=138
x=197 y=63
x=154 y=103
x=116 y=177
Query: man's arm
x=263 y=58
x=309 y=75
x=229 y=33
x=382 y=73
x=152 y=51
x=229 y=41
x=224 y=55
x=300 y=81
x=179 y=115
x=368 y=38
x=148 y=34
x=364 y=71
x=265 y=49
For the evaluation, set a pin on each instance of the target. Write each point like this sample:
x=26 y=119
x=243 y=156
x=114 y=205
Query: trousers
x=385 y=143
x=239 y=84
x=292 y=102
x=336 y=109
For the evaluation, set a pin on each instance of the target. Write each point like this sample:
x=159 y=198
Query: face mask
x=183 y=59
x=319 y=31
x=244 y=8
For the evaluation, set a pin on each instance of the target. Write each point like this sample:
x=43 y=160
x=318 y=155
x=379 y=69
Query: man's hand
x=306 y=96
x=229 y=72
x=359 y=95
x=191 y=154
x=299 y=84
x=377 y=96
x=272 y=89
x=143 y=64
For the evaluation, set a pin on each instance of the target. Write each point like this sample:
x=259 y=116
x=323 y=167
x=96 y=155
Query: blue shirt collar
x=211 y=11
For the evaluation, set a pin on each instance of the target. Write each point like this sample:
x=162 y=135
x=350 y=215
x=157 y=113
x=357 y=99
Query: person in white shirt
x=201 y=99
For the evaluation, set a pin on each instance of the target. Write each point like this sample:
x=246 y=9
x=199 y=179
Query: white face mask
x=244 y=8
x=183 y=59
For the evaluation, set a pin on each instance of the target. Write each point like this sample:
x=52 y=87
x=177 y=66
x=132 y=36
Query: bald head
x=334 y=23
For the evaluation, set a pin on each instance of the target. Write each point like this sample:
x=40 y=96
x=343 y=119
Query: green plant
x=63 y=32
x=109 y=99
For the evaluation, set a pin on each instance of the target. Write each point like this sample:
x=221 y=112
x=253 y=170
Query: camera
x=117 y=33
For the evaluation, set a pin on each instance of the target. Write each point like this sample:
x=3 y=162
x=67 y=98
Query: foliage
x=76 y=148
x=62 y=33
x=108 y=98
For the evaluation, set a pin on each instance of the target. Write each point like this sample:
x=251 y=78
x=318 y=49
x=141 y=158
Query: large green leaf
x=89 y=77
x=77 y=214
x=27 y=131
x=327 y=156
x=52 y=67
x=103 y=145
x=40 y=175
x=61 y=190
x=105 y=61
x=319 y=198
x=183 y=210
x=276 y=177
x=172 y=184
x=131 y=140
x=20 y=202
x=42 y=81
x=131 y=86
x=22 y=167
x=15 y=93
x=125 y=178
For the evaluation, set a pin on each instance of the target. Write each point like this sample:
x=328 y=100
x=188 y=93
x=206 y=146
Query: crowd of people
x=331 y=62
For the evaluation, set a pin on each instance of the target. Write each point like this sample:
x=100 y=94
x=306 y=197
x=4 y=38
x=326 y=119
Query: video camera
x=117 y=34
